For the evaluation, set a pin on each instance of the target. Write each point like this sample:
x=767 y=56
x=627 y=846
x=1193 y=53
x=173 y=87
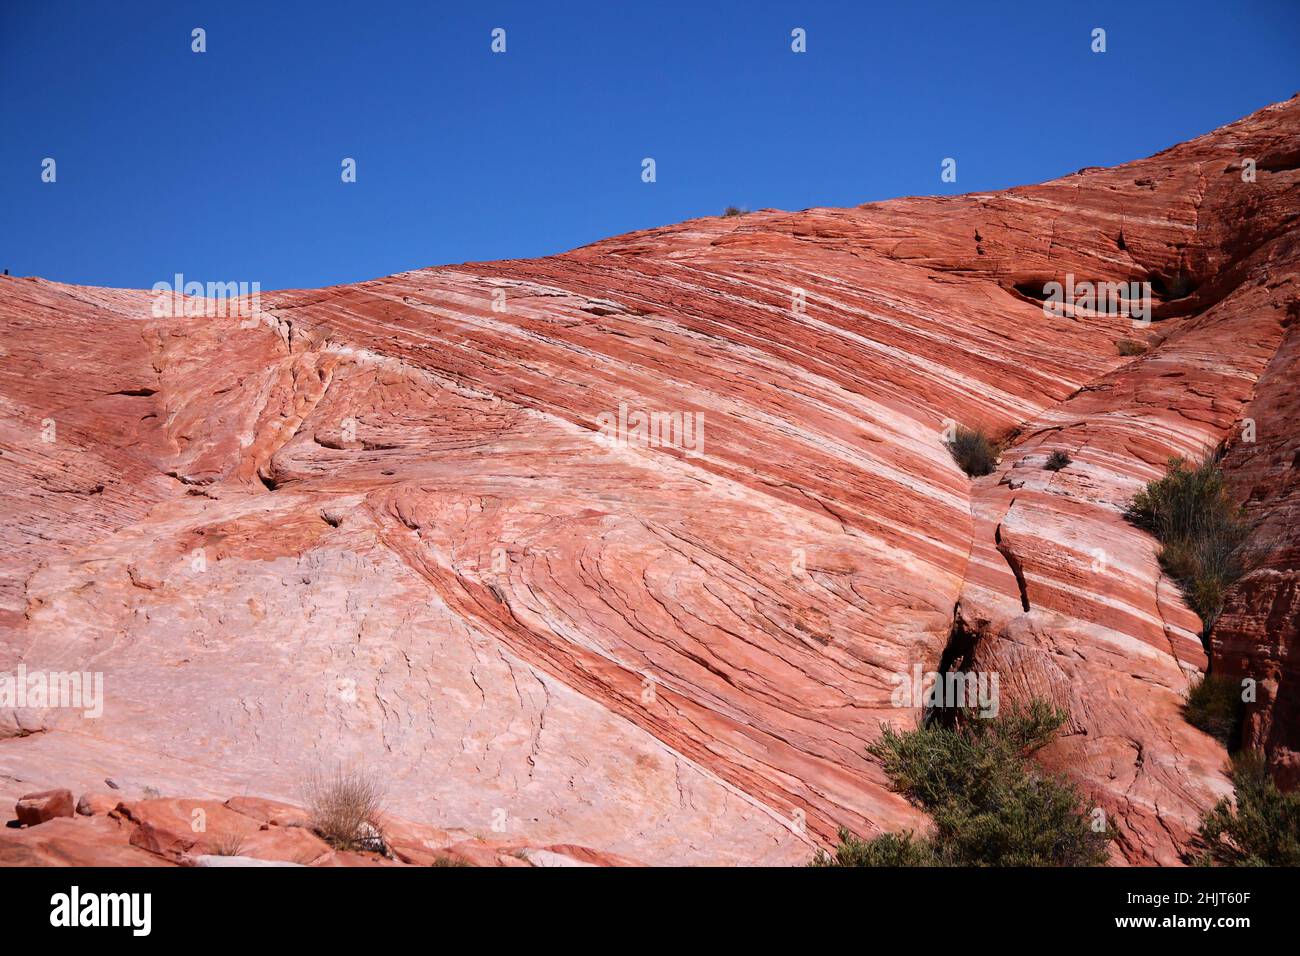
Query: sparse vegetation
x=991 y=804
x=888 y=849
x=1131 y=347
x=1057 y=460
x=1260 y=827
x=734 y=211
x=448 y=861
x=343 y=807
x=230 y=845
x=1200 y=531
x=974 y=451
x=1214 y=705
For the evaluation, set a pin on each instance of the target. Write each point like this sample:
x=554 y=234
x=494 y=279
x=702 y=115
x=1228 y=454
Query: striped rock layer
x=395 y=524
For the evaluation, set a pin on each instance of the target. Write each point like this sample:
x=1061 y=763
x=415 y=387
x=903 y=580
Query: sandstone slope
x=379 y=523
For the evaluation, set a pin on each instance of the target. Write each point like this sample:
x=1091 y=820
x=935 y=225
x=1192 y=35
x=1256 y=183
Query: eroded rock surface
x=382 y=524
x=1258 y=634
x=248 y=831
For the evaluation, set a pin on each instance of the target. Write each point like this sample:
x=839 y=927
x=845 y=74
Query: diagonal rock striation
x=391 y=523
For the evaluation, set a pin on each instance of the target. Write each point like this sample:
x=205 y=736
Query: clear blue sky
x=226 y=165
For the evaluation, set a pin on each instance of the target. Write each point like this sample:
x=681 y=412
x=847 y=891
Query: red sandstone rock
x=587 y=856
x=288 y=844
x=92 y=803
x=480 y=853
x=243 y=832
x=79 y=841
x=176 y=828
x=273 y=812
x=382 y=520
x=413 y=843
x=1258 y=634
x=36 y=808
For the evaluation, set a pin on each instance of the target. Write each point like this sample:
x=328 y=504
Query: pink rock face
x=1258 y=634
x=36 y=808
x=91 y=804
x=410 y=524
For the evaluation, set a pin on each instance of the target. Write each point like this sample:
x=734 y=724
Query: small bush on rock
x=1199 y=528
x=344 y=807
x=888 y=849
x=1214 y=705
x=974 y=451
x=1057 y=460
x=1260 y=827
x=991 y=804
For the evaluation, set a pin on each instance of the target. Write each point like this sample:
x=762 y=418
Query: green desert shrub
x=1057 y=460
x=1199 y=528
x=974 y=451
x=991 y=804
x=734 y=211
x=1214 y=705
x=888 y=849
x=1131 y=347
x=1260 y=827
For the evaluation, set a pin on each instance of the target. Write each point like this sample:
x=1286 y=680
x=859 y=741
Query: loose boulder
x=37 y=808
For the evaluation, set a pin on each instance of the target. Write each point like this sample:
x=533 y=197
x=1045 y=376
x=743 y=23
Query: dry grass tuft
x=344 y=807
